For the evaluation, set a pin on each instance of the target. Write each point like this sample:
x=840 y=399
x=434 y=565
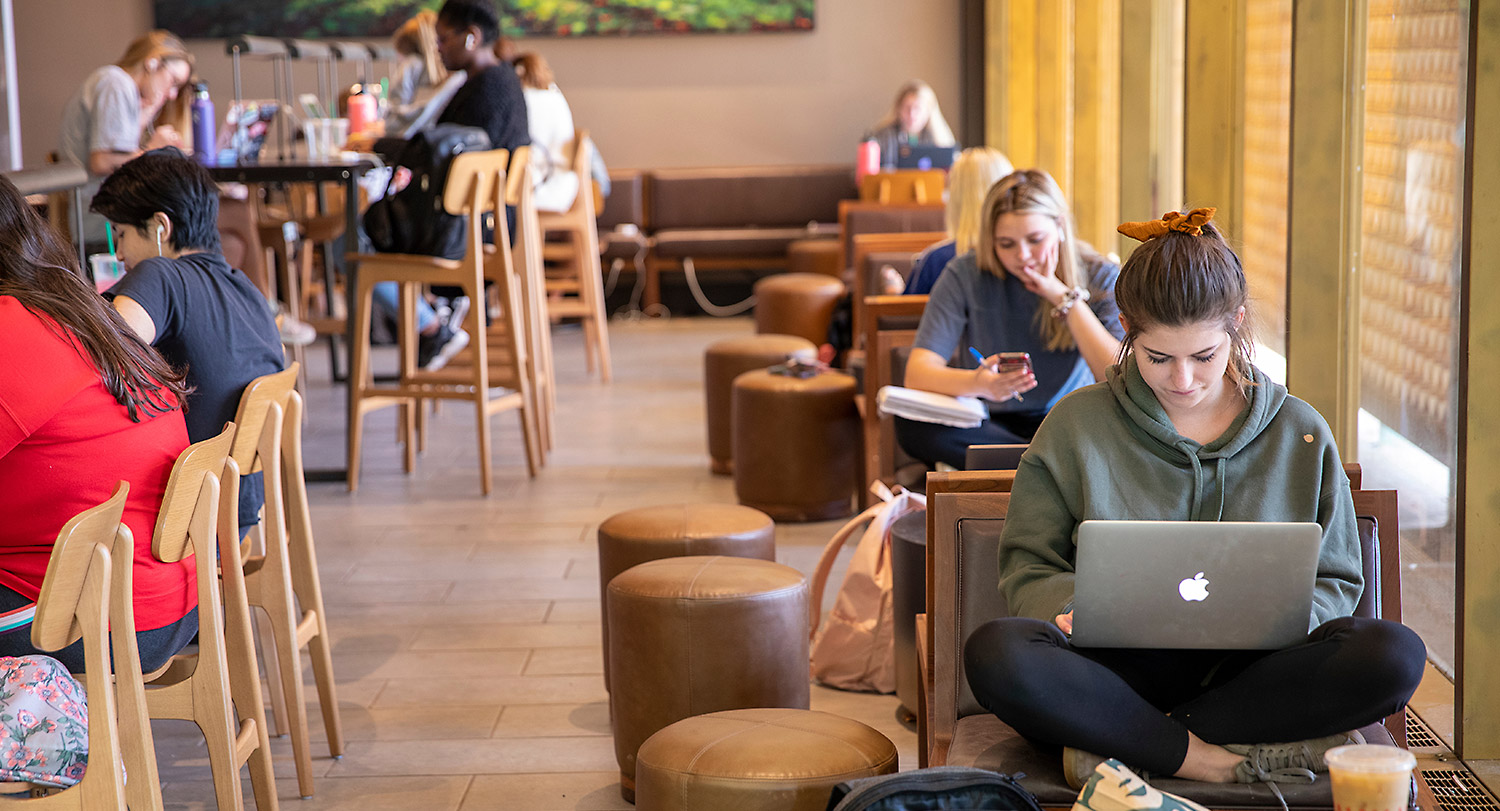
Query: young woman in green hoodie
x=1204 y=436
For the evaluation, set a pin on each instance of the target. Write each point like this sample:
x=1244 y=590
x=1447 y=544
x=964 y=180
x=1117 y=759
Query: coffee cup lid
x=1374 y=758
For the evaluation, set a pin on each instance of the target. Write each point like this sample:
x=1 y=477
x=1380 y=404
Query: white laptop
x=1194 y=584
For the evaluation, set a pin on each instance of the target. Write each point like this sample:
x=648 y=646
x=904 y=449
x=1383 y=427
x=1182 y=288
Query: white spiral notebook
x=928 y=406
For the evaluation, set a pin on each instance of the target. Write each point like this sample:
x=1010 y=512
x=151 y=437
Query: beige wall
x=649 y=101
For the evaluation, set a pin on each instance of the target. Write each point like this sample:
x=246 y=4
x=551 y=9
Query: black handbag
x=412 y=220
x=942 y=788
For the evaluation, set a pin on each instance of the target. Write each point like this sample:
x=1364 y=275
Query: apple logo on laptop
x=1194 y=589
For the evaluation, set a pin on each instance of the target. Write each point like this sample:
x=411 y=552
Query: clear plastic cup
x=107 y=269
x=1367 y=777
x=325 y=137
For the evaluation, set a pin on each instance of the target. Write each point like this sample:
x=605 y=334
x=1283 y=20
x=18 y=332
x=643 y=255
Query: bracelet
x=1069 y=298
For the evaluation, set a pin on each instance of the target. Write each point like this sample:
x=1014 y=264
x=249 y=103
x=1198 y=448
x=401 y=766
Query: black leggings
x=156 y=645
x=933 y=443
x=1140 y=705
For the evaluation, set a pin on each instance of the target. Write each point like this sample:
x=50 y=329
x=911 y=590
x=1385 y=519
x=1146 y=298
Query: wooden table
x=305 y=170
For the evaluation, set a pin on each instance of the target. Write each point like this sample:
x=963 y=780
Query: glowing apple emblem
x=1194 y=589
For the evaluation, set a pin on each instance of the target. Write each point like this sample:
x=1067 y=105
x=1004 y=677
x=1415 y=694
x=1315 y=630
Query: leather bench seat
x=702 y=243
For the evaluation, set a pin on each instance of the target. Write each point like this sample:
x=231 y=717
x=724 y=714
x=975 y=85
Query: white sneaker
x=1112 y=787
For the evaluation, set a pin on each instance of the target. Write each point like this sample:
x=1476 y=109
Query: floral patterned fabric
x=44 y=725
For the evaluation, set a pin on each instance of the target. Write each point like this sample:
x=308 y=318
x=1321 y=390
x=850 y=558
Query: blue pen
x=979 y=359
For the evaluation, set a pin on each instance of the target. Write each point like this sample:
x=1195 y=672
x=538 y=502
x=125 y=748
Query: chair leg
x=591 y=278
x=244 y=688
x=218 y=739
x=284 y=629
x=280 y=724
x=359 y=377
x=321 y=652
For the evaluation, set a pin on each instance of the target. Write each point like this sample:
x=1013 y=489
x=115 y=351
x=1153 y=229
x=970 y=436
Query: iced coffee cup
x=1366 y=777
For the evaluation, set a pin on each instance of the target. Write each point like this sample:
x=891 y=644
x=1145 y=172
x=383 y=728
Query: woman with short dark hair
x=181 y=296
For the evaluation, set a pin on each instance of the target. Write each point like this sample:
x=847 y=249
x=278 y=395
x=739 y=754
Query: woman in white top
x=550 y=122
x=126 y=108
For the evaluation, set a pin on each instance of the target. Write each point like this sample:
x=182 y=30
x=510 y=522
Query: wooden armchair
x=966 y=514
x=864 y=283
x=890 y=323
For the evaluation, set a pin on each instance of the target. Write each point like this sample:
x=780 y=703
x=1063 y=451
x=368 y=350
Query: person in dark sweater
x=181 y=296
x=491 y=98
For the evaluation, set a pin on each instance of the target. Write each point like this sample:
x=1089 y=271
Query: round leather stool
x=814 y=256
x=675 y=530
x=702 y=634
x=749 y=760
x=798 y=304
x=722 y=363
x=908 y=599
x=796 y=444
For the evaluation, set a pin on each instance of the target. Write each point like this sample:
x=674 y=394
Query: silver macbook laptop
x=1194 y=584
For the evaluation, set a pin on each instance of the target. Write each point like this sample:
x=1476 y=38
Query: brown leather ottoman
x=796 y=444
x=670 y=531
x=722 y=363
x=702 y=634
x=749 y=760
x=819 y=256
x=797 y=304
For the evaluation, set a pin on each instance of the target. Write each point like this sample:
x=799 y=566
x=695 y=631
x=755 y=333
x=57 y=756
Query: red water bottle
x=362 y=112
x=866 y=160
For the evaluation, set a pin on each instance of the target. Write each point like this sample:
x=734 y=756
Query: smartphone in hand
x=1013 y=362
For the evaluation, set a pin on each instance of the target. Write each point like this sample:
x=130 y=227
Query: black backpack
x=943 y=788
x=412 y=220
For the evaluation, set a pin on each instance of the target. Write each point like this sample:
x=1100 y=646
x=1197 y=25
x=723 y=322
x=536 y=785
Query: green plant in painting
x=519 y=18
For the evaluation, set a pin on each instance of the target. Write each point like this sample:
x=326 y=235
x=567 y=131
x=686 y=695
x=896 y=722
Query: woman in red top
x=84 y=404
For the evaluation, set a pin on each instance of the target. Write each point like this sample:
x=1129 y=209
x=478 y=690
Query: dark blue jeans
x=156 y=645
x=932 y=443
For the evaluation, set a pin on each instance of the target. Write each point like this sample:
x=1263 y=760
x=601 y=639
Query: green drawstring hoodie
x=1108 y=451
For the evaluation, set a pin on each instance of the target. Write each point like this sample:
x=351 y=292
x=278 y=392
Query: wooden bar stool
x=580 y=284
x=285 y=575
x=476 y=186
x=217 y=688
x=86 y=593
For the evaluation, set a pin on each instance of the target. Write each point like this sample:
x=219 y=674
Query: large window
x=1268 y=95
x=1408 y=277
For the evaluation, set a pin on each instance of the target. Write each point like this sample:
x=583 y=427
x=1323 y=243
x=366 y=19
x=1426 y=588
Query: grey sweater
x=1108 y=451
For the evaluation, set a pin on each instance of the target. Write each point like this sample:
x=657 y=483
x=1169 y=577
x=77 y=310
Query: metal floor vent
x=1458 y=791
x=1419 y=735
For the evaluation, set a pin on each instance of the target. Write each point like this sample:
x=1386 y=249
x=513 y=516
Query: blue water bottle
x=204 y=140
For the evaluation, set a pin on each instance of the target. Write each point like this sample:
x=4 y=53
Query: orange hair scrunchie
x=1190 y=223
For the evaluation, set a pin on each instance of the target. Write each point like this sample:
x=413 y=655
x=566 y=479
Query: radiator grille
x=1458 y=791
x=1419 y=735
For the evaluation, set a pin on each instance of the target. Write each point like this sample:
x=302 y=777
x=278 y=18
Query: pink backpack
x=854 y=650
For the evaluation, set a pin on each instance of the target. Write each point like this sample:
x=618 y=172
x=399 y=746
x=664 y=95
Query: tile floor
x=467 y=628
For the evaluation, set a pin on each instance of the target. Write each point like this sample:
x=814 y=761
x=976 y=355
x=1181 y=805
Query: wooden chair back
x=882 y=336
x=904 y=186
x=473 y=178
x=532 y=292
x=180 y=526
x=865 y=245
x=78 y=599
x=869 y=217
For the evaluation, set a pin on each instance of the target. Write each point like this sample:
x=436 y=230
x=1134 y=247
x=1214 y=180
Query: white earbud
x=469 y=41
x=159 y=230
